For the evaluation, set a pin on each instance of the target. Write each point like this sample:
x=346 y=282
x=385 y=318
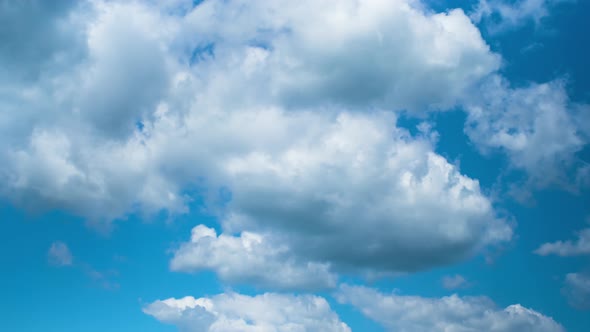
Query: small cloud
x=103 y=279
x=531 y=48
x=577 y=290
x=120 y=258
x=581 y=246
x=454 y=282
x=59 y=254
x=502 y=15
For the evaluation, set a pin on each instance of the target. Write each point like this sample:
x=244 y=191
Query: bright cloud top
x=376 y=53
x=240 y=313
x=249 y=258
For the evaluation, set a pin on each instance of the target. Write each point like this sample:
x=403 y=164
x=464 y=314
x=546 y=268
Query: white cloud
x=234 y=312
x=286 y=115
x=314 y=176
x=454 y=282
x=452 y=313
x=249 y=258
x=568 y=248
x=361 y=193
x=577 y=290
x=71 y=140
x=59 y=254
x=375 y=53
x=334 y=185
x=534 y=126
x=302 y=179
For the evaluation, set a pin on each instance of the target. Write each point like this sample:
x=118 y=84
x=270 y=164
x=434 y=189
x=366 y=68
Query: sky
x=314 y=165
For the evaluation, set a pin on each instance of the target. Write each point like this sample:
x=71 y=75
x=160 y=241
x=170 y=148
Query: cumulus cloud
x=283 y=109
x=388 y=54
x=59 y=254
x=577 y=290
x=329 y=181
x=361 y=181
x=249 y=258
x=568 y=248
x=316 y=175
x=235 y=312
x=75 y=135
x=452 y=313
x=533 y=125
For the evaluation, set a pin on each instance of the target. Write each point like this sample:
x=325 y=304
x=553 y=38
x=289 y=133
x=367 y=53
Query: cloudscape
x=278 y=165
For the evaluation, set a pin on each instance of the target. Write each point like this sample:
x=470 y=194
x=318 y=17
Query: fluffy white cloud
x=375 y=53
x=577 y=290
x=234 y=312
x=350 y=190
x=449 y=314
x=100 y=182
x=69 y=135
x=249 y=258
x=59 y=254
x=361 y=193
x=568 y=248
x=535 y=126
x=334 y=185
x=318 y=183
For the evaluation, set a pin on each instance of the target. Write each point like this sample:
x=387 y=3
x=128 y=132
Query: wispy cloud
x=581 y=246
x=59 y=254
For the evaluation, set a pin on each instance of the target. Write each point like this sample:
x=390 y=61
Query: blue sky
x=278 y=166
